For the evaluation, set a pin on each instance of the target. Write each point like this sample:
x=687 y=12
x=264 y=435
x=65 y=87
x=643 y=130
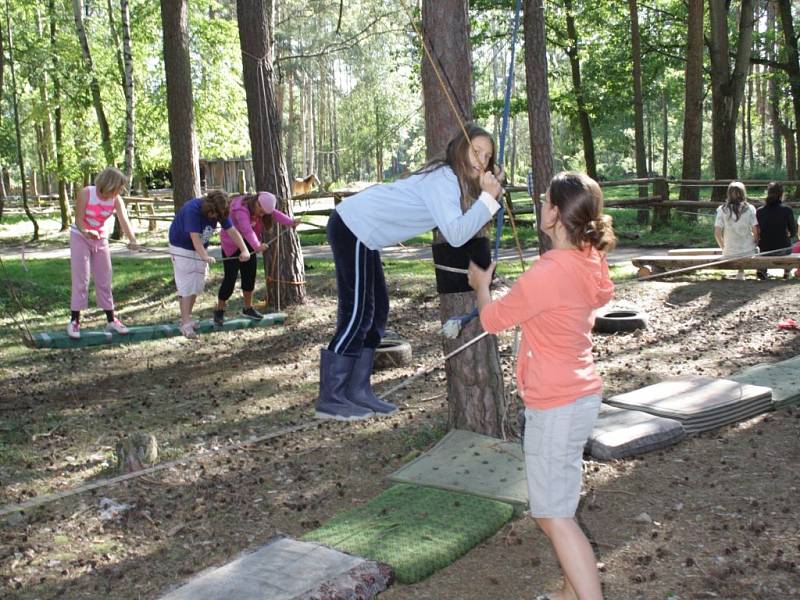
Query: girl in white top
x=736 y=226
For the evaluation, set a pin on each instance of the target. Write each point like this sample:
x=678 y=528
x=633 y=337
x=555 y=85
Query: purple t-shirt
x=190 y=219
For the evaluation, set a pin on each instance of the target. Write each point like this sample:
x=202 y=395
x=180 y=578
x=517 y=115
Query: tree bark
x=63 y=202
x=538 y=96
x=2 y=74
x=638 y=107
x=727 y=85
x=255 y=18
x=792 y=68
x=693 y=101
x=94 y=85
x=774 y=111
x=127 y=86
x=180 y=109
x=20 y=158
x=475 y=391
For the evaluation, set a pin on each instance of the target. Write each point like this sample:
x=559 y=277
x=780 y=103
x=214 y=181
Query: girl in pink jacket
x=246 y=214
x=554 y=303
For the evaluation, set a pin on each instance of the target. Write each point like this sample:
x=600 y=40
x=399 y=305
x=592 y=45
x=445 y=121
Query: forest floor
x=714 y=517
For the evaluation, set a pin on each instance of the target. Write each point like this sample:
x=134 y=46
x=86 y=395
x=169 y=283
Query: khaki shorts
x=190 y=271
x=554 y=441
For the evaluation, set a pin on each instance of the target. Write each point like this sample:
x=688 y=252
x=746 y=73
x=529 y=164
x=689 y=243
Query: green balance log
x=145 y=333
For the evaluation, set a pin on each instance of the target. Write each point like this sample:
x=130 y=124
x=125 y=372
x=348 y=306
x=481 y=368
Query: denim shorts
x=554 y=441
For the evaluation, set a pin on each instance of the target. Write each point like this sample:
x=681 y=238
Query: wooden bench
x=695 y=251
x=653 y=265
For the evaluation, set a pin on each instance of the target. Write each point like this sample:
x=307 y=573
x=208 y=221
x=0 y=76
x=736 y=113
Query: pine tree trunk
x=2 y=74
x=774 y=110
x=63 y=202
x=693 y=101
x=792 y=68
x=15 y=106
x=180 y=108
x=130 y=115
x=94 y=85
x=285 y=285
x=638 y=107
x=538 y=97
x=475 y=391
x=727 y=85
x=583 y=113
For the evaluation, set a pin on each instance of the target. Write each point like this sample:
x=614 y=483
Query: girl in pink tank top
x=89 y=251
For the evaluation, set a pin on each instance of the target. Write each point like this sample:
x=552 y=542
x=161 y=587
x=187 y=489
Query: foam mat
x=783 y=377
x=620 y=433
x=464 y=461
x=414 y=529
x=699 y=403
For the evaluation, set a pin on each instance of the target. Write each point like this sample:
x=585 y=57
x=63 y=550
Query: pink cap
x=267 y=201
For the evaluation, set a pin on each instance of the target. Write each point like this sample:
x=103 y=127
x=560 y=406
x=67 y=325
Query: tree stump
x=136 y=452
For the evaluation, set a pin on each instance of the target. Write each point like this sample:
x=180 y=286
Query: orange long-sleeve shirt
x=554 y=302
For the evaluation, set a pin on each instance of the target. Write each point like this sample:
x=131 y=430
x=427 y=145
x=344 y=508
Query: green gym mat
x=783 y=377
x=464 y=461
x=143 y=333
x=416 y=530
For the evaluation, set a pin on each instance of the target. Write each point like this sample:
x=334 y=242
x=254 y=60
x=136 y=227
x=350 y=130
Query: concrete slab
x=471 y=463
x=283 y=569
x=783 y=377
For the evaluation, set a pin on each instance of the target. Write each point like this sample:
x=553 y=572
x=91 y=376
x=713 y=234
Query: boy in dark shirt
x=777 y=226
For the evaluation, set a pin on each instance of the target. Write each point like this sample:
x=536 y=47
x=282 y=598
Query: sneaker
x=187 y=329
x=252 y=313
x=116 y=326
x=74 y=330
x=219 y=318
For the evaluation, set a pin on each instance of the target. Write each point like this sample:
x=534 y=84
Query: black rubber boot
x=219 y=318
x=334 y=375
x=359 y=390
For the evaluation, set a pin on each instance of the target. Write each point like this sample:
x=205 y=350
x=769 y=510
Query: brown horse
x=303 y=186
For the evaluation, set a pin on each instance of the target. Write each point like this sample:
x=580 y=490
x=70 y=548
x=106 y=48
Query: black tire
x=392 y=353
x=618 y=319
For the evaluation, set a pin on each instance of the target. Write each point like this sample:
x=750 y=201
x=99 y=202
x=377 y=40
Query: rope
x=452 y=327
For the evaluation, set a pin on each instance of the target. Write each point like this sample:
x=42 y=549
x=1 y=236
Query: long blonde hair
x=736 y=200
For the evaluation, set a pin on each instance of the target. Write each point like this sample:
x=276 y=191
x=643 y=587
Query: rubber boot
x=359 y=391
x=334 y=375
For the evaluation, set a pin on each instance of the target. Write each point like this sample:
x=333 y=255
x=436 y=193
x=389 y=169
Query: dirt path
x=721 y=508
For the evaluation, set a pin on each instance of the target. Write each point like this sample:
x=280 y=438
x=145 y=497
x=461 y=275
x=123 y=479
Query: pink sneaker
x=74 y=330
x=116 y=326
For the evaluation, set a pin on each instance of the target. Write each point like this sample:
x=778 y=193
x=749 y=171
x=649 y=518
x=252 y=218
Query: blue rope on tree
x=453 y=326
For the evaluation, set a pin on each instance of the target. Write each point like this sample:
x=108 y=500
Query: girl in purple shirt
x=246 y=214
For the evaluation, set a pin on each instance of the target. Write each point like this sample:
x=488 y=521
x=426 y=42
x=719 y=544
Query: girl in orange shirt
x=554 y=303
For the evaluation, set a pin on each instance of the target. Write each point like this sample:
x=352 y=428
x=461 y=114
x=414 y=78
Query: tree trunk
x=792 y=68
x=475 y=391
x=774 y=111
x=94 y=85
x=290 y=135
x=255 y=18
x=20 y=159
x=693 y=101
x=63 y=202
x=727 y=85
x=2 y=69
x=583 y=114
x=538 y=96
x=665 y=138
x=638 y=108
x=749 y=119
x=127 y=85
x=180 y=109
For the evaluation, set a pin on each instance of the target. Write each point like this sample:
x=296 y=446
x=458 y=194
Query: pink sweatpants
x=90 y=257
